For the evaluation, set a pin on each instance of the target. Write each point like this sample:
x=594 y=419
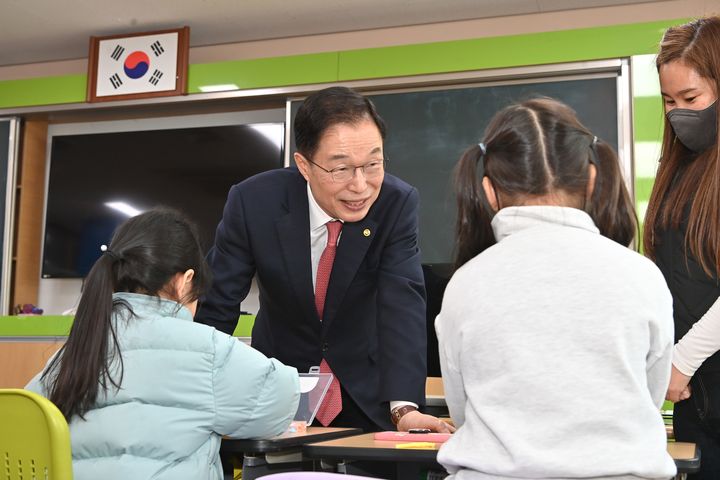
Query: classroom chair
x=34 y=438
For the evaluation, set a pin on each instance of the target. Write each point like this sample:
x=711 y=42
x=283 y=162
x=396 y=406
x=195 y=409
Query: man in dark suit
x=370 y=329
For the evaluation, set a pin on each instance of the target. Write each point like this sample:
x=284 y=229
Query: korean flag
x=137 y=64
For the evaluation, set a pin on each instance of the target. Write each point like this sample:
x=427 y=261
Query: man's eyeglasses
x=345 y=173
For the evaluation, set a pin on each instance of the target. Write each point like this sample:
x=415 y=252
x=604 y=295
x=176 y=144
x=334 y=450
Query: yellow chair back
x=34 y=438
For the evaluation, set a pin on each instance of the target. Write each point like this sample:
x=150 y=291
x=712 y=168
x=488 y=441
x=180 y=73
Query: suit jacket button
x=324 y=347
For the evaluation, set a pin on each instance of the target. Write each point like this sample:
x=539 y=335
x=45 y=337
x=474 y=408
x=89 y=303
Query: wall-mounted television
x=97 y=180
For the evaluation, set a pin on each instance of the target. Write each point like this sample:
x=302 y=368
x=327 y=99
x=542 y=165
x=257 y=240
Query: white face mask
x=696 y=129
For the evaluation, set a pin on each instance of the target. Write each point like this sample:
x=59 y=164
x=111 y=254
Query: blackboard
x=427 y=131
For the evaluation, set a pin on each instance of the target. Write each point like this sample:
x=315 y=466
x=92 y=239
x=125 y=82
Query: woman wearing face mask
x=682 y=229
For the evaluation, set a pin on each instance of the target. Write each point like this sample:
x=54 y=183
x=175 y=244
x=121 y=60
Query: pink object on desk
x=413 y=437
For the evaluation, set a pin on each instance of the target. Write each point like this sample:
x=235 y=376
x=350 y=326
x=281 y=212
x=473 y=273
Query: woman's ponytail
x=474 y=214
x=81 y=366
x=610 y=206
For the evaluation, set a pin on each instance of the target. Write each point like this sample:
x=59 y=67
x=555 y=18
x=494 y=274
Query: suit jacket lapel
x=294 y=236
x=354 y=243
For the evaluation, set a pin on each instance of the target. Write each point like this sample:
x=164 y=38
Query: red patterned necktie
x=332 y=403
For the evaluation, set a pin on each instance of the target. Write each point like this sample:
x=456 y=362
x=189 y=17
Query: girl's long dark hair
x=146 y=252
x=536 y=148
x=697 y=45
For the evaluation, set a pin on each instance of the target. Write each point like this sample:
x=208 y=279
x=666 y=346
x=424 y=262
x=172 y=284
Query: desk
x=435 y=401
x=257 y=453
x=365 y=447
x=409 y=462
x=686 y=456
x=435 y=397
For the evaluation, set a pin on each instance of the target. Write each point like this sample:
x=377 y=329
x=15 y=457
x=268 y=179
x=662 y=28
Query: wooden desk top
x=681 y=450
x=285 y=440
x=365 y=447
x=434 y=392
x=686 y=456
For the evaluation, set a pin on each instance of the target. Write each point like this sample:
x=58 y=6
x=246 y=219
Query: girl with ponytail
x=554 y=337
x=146 y=392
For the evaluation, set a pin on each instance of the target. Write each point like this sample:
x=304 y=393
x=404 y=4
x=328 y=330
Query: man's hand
x=678 y=390
x=415 y=419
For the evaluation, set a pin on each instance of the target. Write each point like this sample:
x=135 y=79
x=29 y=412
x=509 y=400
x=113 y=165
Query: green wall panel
x=59 y=326
x=244 y=326
x=246 y=74
x=265 y=72
x=497 y=52
x=43 y=91
x=648 y=114
x=643 y=188
x=35 y=325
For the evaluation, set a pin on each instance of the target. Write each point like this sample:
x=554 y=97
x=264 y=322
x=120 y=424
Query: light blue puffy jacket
x=184 y=385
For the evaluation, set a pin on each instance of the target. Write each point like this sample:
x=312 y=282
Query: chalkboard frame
x=8 y=177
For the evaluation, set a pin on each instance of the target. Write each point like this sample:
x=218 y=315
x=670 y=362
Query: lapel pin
x=366 y=232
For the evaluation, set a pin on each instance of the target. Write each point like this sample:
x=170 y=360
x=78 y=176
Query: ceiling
x=33 y=31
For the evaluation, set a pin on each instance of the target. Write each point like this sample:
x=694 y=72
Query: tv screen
x=98 y=180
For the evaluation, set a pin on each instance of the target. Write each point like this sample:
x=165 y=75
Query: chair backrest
x=34 y=438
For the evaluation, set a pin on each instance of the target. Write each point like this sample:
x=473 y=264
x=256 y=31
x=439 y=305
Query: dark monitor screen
x=96 y=181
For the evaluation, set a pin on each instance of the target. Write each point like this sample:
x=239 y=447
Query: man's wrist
x=398 y=412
